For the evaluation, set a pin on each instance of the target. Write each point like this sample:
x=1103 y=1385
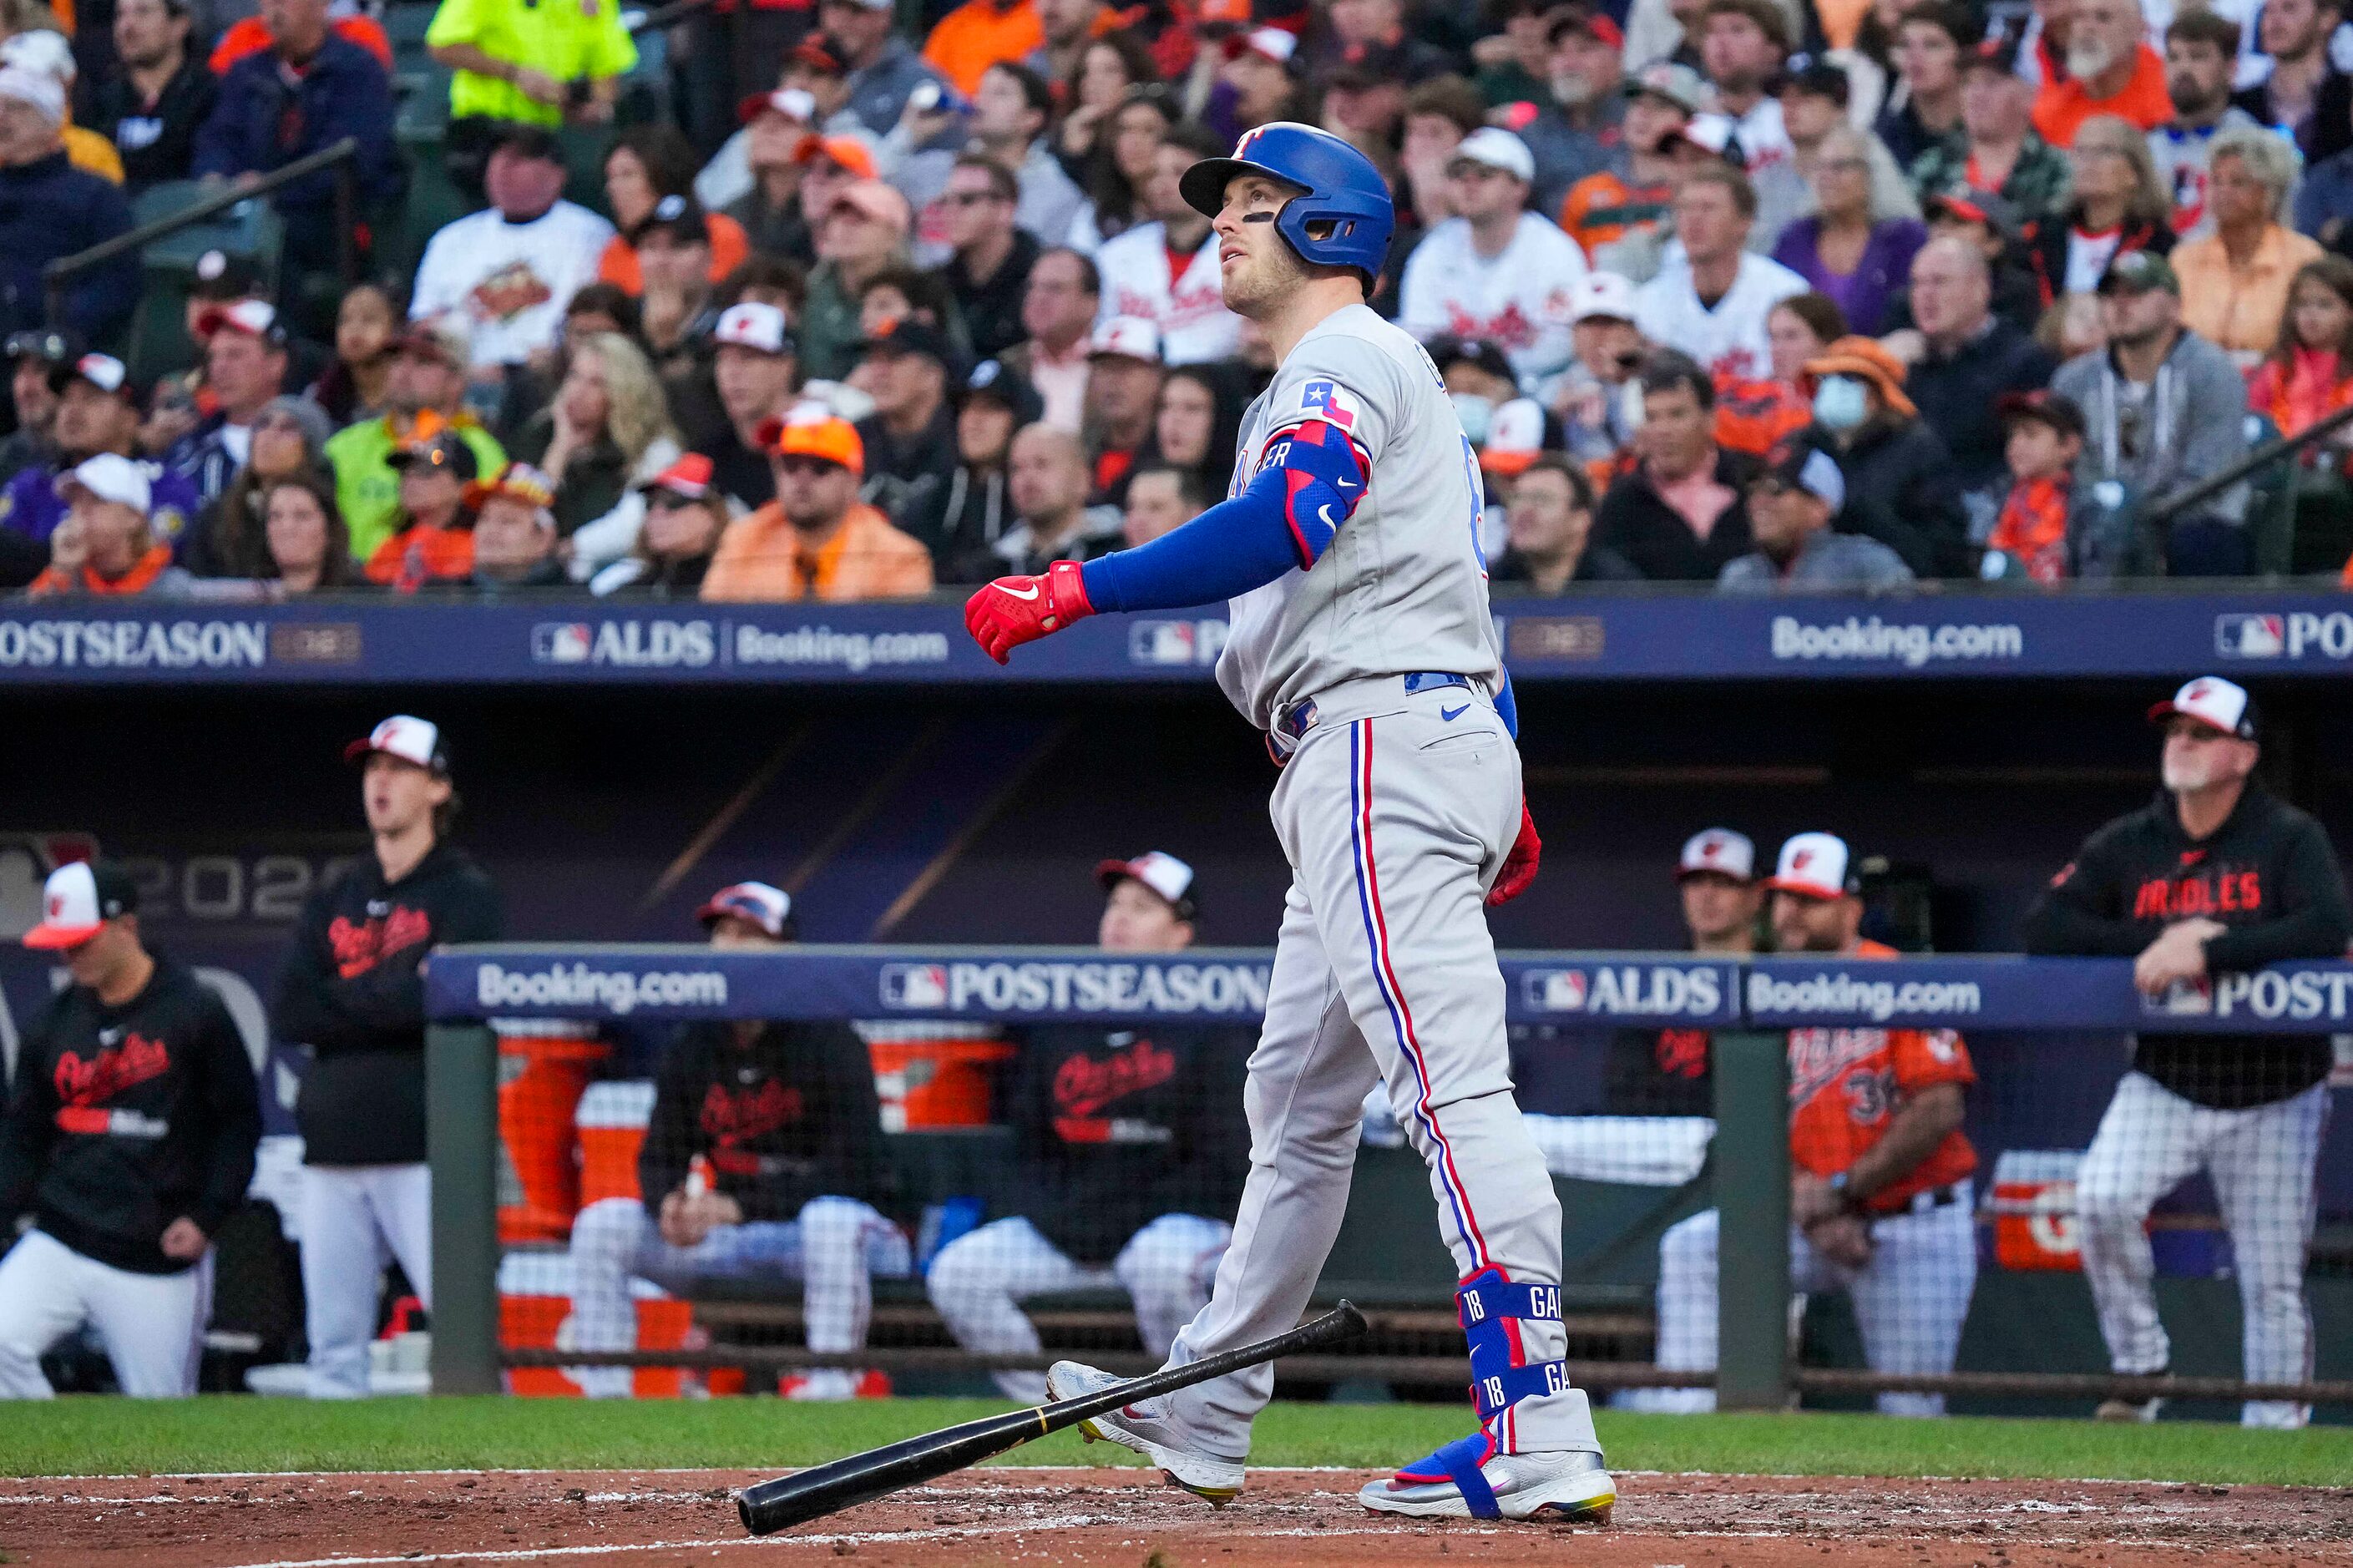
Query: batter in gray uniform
x=1362 y=645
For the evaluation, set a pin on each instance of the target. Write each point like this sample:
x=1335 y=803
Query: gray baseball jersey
x=1402 y=586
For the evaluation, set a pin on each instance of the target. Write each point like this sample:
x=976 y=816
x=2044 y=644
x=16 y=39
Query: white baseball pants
x=355 y=1218
x=153 y=1325
x=1910 y=1301
x=2262 y=1161
x=1395 y=812
x=977 y=1282
x=833 y=1247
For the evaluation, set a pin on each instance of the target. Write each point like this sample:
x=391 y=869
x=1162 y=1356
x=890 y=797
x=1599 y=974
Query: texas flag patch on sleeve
x=1328 y=399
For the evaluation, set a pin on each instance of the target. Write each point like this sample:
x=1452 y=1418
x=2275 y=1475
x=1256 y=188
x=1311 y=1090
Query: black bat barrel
x=804 y=1495
x=808 y=1494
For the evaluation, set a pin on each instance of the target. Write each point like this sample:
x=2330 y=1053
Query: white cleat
x=2128 y=1410
x=1546 y=1488
x=1141 y=1428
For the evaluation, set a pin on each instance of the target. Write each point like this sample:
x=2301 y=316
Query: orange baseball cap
x=846 y=151
x=813 y=430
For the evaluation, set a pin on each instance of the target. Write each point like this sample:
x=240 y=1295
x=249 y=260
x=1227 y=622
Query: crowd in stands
x=1834 y=295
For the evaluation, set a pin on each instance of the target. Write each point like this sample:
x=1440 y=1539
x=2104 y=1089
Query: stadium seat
x=248 y=231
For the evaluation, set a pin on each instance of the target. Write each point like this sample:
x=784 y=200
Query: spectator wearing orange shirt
x=647 y=164
x=2236 y=281
x=433 y=540
x=2308 y=374
x=252 y=36
x=2111 y=69
x=979 y=33
x=105 y=545
x=817 y=540
x=1601 y=208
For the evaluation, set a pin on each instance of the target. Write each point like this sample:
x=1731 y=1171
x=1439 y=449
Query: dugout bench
x=1388 y=1258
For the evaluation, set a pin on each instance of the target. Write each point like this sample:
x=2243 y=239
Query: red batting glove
x=1520 y=865
x=1015 y=610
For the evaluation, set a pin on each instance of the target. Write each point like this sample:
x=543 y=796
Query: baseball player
x=129 y=1140
x=1361 y=644
x=1664 y=1071
x=1658 y=1101
x=2214 y=875
x=1878 y=1188
x=1130 y=1148
x=353 y=991
x=763 y=1156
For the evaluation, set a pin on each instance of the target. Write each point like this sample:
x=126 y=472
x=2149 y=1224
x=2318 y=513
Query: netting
x=948 y=1204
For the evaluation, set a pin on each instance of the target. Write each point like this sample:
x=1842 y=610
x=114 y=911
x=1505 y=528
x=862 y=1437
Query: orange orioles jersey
x=1846 y=1086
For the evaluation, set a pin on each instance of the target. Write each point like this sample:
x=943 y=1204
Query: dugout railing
x=2050 y=1039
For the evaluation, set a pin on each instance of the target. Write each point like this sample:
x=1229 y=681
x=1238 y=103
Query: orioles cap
x=770 y=909
x=411 y=739
x=1815 y=866
x=77 y=899
x=813 y=430
x=756 y=325
x=1163 y=873
x=1718 y=851
x=846 y=151
x=1127 y=337
x=2217 y=703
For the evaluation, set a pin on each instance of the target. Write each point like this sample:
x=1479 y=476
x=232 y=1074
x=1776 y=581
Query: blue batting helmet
x=1339 y=188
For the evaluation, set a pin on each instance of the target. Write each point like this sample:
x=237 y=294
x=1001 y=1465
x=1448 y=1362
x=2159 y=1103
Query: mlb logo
x=553 y=642
x=915 y=985
x=1161 y=642
x=1555 y=990
x=2250 y=636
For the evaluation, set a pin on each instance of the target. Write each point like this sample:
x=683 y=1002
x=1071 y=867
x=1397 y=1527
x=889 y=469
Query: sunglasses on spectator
x=971 y=198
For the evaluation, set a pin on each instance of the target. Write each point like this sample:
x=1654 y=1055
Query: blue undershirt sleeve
x=1507 y=707
x=1235 y=546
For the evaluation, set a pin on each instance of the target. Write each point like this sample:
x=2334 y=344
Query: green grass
x=90 y=1436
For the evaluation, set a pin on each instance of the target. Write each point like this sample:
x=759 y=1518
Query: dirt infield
x=1286 y=1519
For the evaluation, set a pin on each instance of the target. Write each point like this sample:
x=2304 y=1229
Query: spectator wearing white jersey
x=1496 y=271
x=1166 y=271
x=1713 y=305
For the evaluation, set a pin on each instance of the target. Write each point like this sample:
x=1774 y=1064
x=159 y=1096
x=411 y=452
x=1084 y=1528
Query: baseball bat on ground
x=804 y=1495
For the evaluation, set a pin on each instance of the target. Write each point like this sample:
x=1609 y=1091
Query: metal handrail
x=664 y=15
x=54 y=276
x=2270 y=452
